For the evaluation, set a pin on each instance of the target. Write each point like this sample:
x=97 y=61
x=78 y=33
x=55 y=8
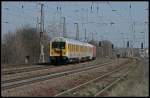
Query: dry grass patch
x=135 y=84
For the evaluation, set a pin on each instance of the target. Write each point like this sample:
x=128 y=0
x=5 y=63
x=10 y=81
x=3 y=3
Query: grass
x=135 y=84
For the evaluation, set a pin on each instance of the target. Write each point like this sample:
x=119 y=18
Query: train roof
x=68 y=40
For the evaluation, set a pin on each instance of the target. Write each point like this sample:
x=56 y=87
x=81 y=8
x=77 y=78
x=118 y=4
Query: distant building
x=107 y=48
x=104 y=48
x=128 y=52
x=144 y=52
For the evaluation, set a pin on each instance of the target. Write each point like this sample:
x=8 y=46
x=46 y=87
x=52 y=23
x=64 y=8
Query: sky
x=96 y=20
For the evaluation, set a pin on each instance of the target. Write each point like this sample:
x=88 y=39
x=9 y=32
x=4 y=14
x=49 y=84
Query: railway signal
x=112 y=46
x=141 y=45
x=100 y=44
x=128 y=44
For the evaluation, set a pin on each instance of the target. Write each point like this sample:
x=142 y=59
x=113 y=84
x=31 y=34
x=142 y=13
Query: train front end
x=57 y=51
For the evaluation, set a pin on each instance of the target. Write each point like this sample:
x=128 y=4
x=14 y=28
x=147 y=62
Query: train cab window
x=60 y=45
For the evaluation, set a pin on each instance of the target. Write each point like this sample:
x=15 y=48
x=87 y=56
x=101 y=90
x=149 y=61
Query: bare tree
x=21 y=43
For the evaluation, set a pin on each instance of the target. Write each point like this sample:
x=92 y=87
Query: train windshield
x=59 y=45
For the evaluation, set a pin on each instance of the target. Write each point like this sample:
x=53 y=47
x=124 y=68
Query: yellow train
x=69 y=50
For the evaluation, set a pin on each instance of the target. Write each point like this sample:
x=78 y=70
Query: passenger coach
x=69 y=50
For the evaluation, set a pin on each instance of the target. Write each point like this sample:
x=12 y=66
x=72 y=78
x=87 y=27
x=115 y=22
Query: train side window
x=79 y=48
x=86 y=49
x=75 y=48
x=83 y=48
x=71 y=47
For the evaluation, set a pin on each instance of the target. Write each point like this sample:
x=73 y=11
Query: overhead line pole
x=64 y=27
x=85 y=34
x=41 y=59
x=77 y=31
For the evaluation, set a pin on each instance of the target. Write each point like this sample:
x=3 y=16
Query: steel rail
x=51 y=76
x=38 y=75
x=102 y=76
x=113 y=83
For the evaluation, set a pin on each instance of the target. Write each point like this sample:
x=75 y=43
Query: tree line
x=25 y=41
x=21 y=43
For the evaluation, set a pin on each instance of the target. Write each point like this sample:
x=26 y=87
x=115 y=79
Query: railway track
x=23 y=76
x=113 y=83
x=27 y=69
x=15 y=83
x=71 y=92
x=24 y=69
x=6 y=66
